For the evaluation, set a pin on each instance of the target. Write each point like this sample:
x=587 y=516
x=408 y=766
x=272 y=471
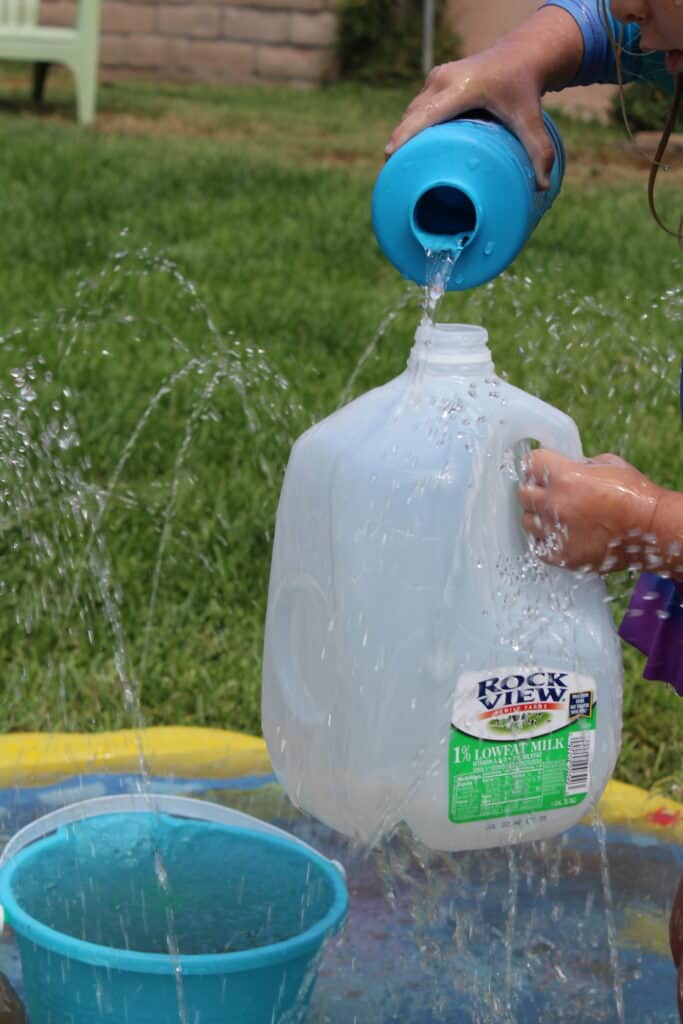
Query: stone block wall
x=241 y=41
x=283 y=41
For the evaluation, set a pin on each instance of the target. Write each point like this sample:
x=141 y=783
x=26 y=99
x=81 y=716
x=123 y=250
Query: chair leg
x=40 y=71
x=86 y=93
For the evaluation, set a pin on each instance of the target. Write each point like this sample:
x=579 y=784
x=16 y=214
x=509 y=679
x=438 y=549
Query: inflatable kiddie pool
x=576 y=927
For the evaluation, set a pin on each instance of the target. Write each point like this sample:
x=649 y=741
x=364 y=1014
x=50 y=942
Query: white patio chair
x=22 y=38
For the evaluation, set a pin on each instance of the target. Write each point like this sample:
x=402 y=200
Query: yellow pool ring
x=36 y=759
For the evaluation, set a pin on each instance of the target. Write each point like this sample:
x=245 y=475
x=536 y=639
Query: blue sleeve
x=599 y=62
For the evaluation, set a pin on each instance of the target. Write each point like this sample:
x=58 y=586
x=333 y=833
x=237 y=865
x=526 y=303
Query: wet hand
x=493 y=80
x=594 y=514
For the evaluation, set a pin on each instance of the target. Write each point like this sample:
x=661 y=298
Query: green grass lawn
x=188 y=287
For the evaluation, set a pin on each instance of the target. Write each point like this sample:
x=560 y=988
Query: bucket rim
x=305 y=943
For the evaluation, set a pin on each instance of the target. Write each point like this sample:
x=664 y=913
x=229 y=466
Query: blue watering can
x=466 y=187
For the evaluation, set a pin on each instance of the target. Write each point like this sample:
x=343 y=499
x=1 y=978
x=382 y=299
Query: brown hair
x=658 y=160
x=659 y=157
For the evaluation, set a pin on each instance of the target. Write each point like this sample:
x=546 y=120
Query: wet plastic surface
x=410 y=621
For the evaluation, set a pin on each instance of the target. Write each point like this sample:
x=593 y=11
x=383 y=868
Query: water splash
x=601 y=834
x=61 y=518
x=440 y=267
x=490 y=936
x=626 y=377
x=57 y=511
x=386 y=322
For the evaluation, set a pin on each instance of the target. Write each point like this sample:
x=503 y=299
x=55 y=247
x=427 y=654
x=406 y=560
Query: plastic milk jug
x=421 y=663
x=464 y=186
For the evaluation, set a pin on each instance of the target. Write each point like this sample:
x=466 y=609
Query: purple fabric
x=654 y=625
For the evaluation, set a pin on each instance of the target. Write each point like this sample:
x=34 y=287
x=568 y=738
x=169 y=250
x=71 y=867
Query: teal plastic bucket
x=94 y=892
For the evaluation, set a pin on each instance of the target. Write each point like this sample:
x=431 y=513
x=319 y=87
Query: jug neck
x=458 y=350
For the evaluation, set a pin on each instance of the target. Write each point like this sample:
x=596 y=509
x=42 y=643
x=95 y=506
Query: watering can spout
x=444 y=220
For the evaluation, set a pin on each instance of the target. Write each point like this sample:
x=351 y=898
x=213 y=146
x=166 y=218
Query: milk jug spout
x=448 y=348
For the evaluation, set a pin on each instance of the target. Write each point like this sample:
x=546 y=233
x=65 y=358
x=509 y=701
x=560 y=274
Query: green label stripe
x=500 y=779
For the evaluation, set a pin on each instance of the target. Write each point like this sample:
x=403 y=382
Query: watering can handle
x=154 y=803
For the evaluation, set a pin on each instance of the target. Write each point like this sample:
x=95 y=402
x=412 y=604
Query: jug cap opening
x=444 y=218
x=452 y=344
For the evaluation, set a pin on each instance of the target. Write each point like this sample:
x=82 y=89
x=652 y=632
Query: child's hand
x=544 y=52
x=594 y=514
x=490 y=80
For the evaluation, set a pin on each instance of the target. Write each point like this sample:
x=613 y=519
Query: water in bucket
x=252 y=909
x=421 y=664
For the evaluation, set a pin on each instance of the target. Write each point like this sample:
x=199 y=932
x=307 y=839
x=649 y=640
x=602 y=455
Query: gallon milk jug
x=466 y=186
x=421 y=664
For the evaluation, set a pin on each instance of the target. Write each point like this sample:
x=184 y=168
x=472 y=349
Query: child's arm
x=601 y=514
x=565 y=42
x=601 y=37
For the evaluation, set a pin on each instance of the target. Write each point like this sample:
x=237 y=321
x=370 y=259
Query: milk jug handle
x=533 y=419
x=526 y=418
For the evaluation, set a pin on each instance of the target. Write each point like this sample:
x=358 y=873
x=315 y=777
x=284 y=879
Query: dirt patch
x=620 y=162
x=647 y=142
x=312 y=146
x=309 y=145
x=115 y=123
